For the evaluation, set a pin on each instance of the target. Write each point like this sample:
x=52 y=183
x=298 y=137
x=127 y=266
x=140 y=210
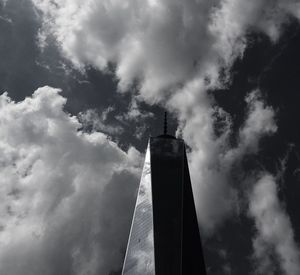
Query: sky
x=83 y=84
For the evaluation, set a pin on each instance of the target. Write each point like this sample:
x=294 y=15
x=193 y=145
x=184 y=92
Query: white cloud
x=162 y=44
x=65 y=194
x=158 y=44
x=274 y=234
x=260 y=122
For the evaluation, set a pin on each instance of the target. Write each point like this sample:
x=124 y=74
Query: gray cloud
x=213 y=158
x=274 y=230
x=91 y=120
x=66 y=195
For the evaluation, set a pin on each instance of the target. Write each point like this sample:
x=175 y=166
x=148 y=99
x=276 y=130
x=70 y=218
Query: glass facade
x=164 y=237
x=139 y=257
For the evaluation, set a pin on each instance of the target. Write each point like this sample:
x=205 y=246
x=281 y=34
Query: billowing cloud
x=66 y=195
x=274 y=236
x=212 y=158
x=162 y=44
x=155 y=42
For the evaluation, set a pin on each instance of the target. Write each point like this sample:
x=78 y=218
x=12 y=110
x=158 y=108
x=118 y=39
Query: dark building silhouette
x=164 y=237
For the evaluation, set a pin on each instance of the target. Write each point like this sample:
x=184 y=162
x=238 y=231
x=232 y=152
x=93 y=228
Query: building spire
x=166 y=124
x=165 y=133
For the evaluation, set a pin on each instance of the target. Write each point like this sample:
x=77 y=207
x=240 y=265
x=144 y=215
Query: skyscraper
x=164 y=237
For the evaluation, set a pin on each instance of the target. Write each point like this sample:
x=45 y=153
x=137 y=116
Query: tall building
x=164 y=237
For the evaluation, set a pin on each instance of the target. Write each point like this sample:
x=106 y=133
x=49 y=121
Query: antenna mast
x=166 y=124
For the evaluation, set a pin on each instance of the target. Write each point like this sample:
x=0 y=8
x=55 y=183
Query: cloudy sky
x=84 y=83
